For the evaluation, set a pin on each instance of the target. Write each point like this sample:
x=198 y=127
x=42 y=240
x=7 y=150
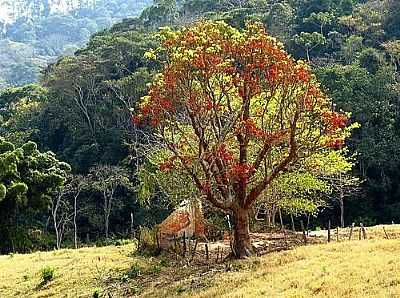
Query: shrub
x=164 y=262
x=96 y=294
x=147 y=242
x=134 y=271
x=155 y=269
x=47 y=274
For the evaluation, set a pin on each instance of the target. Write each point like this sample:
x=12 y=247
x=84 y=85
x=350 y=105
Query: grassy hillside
x=77 y=273
x=349 y=269
x=367 y=268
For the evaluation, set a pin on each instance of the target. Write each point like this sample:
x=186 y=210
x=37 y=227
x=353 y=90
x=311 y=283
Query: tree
x=334 y=169
x=372 y=98
x=28 y=178
x=344 y=185
x=64 y=207
x=20 y=113
x=61 y=214
x=393 y=49
x=392 y=18
x=352 y=45
x=280 y=20
x=89 y=96
x=235 y=111
x=309 y=41
x=76 y=185
x=106 y=179
x=171 y=186
x=320 y=19
x=296 y=192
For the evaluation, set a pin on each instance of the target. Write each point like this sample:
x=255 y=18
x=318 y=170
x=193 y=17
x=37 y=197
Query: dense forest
x=75 y=165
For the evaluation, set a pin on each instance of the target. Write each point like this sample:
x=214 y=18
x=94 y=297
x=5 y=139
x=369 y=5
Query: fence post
x=207 y=256
x=175 y=246
x=337 y=233
x=364 y=232
x=158 y=241
x=132 y=228
x=329 y=231
x=351 y=230
x=194 y=250
x=184 y=243
x=387 y=236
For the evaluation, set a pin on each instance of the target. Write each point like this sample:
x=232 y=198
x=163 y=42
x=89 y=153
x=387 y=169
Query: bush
x=24 y=240
x=155 y=269
x=96 y=294
x=47 y=274
x=134 y=271
x=147 y=242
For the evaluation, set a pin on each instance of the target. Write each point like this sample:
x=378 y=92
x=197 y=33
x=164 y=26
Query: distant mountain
x=36 y=32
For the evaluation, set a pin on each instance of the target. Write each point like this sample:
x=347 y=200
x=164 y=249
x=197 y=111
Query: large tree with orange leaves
x=233 y=111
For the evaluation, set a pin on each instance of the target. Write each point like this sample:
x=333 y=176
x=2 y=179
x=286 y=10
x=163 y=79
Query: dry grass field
x=366 y=268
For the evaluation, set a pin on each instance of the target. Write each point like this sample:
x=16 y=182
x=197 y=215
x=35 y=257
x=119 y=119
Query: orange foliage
x=213 y=96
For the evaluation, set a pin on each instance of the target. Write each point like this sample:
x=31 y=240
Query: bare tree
x=343 y=186
x=75 y=187
x=61 y=214
x=106 y=179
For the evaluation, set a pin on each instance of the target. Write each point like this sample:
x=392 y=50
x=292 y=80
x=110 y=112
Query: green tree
x=28 y=179
x=320 y=19
x=309 y=41
x=372 y=99
x=20 y=113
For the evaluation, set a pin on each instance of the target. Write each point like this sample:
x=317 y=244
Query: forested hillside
x=84 y=105
x=34 y=33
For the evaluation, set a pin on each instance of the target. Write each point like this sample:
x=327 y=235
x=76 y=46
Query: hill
x=35 y=33
x=367 y=268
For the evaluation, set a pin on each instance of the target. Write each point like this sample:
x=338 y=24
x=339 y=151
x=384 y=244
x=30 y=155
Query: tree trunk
x=268 y=217
x=106 y=221
x=75 y=225
x=57 y=232
x=341 y=203
x=274 y=211
x=241 y=241
x=292 y=220
x=281 y=219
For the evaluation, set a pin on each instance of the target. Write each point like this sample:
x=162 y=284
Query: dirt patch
x=177 y=273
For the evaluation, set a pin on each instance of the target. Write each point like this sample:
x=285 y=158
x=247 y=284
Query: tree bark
x=241 y=241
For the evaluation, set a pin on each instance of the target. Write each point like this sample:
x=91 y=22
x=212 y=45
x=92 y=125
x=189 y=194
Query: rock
x=188 y=219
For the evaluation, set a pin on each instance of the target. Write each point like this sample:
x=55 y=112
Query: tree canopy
x=235 y=111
